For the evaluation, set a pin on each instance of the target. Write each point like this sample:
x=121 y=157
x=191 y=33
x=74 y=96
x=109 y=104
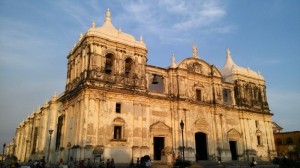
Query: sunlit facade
x=116 y=105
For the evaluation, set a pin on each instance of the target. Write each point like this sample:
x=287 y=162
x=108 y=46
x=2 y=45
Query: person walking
x=107 y=163
x=71 y=163
x=138 y=162
x=253 y=163
x=112 y=163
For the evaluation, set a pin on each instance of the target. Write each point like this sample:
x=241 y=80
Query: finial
x=228 y=52
x=107 y=15
x=195 y=51
x=55 y=94
x=141 y=39
x=93 y=24
x=173 y=65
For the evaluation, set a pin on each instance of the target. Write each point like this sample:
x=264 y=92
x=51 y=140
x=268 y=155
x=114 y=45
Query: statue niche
x=250 y=95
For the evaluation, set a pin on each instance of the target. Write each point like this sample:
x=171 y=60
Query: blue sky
x=36 y=36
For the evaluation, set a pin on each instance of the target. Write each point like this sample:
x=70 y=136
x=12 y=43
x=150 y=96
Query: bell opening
x=154 y=80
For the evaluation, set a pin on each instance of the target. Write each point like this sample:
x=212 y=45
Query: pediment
x=159 y=126
x=258 y=132
x=233 y=133
x=201 y=122
x=201 y=125
x=198 y=66
x=119 y=120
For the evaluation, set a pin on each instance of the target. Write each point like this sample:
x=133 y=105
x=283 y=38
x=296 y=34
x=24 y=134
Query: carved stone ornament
x=195 y=67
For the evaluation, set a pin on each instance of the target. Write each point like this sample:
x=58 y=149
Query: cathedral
x=117 y=106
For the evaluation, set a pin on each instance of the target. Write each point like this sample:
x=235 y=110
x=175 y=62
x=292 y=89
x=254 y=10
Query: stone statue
x=228 y=52
x=93 y=24
x=195 y=51
x=107 y=16
x=141 y=39
x=173 y=65
x=91 y=48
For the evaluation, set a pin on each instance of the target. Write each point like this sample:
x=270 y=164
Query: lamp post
x=182 y=126
x=69 y=147
x=50 y=133
x=27 y=141
x=3 y=154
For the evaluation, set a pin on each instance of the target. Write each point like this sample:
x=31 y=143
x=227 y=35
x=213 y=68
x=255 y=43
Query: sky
x=37 y=35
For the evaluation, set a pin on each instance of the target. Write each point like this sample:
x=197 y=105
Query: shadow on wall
x=120 y=155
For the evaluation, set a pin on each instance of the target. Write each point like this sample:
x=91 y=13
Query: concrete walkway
x=201 y=164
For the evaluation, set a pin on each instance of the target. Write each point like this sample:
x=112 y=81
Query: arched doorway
x=201 y=146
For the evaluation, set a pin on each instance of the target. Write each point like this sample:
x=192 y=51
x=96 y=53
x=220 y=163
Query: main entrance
x=201 y=146
x=233 y=150
x=159 y=145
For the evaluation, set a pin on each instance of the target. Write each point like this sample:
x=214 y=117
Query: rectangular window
x=258 y=140
x=59 y=129
x=118 y=132
x=198 y=94
x=118 y=107
x=256 y=124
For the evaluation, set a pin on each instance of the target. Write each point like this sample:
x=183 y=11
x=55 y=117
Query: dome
x=230 y=69
x=108 y=31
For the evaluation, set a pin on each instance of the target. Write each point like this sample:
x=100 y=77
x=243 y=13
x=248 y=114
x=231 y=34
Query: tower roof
x=108 y=31
x=230 y=69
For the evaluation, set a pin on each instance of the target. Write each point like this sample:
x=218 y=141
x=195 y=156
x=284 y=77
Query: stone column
x=224 y=132
x=214 y=134
x=271 y=135
x=77 y=117
x=218 y=131
x=232 y=97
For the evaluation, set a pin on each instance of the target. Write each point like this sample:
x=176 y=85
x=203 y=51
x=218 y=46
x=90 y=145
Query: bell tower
x=107 y=57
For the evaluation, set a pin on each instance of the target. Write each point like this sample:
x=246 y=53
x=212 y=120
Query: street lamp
x=3 y=154
x=182 y=126
x=27 y=141
x=69 y=147
x=50 y=133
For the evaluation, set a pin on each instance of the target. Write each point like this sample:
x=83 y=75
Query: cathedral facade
x=117 y=106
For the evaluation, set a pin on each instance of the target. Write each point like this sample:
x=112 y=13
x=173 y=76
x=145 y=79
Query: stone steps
x=211 y=164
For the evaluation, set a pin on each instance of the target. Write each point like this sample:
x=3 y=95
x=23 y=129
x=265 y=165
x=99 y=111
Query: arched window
x=278 y=141
x=59 y=129
x=128 y=66
x=119 y=127
x=289 y=141
x=109 y=63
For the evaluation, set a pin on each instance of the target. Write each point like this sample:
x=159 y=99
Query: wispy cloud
x=78 y=10
x=167 y=18
x=268 y=61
